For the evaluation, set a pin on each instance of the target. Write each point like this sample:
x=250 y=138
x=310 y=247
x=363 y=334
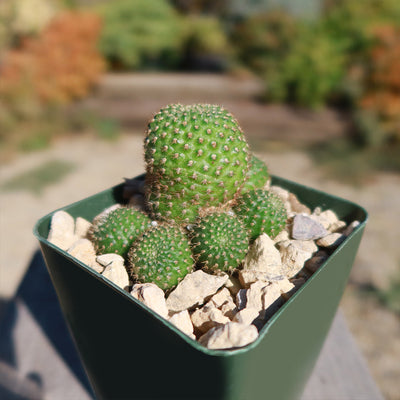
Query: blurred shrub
x=140 y=33
x=263 y=40
x=60 y=65
x=205 y=44
x=378 y=114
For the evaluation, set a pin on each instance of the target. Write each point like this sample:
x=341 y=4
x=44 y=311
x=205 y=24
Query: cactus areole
x=196 y=157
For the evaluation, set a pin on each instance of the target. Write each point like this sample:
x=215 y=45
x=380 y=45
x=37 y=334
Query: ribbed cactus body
x=257 y=176
x=219 y=241
x=161 y=255
x=261 y=211
x=117 y=230
x=196 y=156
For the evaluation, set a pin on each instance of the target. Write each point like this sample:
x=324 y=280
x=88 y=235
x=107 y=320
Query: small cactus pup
x=258 y=175
x=196 y=157
x=117 y=230
x=219 y=241
x=161 y=255
x=261 y=211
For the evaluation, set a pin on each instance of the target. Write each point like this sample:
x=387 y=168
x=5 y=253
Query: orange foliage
x=383 y=79
x=59 y=65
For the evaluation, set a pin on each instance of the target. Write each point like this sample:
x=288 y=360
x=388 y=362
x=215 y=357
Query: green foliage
x=140 y=33
x=261 y=211
x=196 y=157
x=37 y=179
x=219 y=241
x=118 y=229
x=257 y=176
x=310 y=72
x=162 y=256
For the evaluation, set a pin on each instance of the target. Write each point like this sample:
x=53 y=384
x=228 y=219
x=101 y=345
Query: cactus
x=117 y=230
x=261 y=211
x=161 y=255
x=257 y=175
x=196 y=157
x=219 y=241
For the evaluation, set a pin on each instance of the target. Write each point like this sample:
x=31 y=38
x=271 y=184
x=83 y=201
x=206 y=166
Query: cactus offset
x=219 y=241
x=117 y=230
x=196 y=157
x=258 y=175
x=261 y=211
x=161 y=255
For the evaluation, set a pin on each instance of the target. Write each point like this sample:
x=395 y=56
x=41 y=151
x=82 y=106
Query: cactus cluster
x=196 y=157
x=162 y=256
x=198 y=169
x=261 y=211
x=219 y=241
x=117 y=230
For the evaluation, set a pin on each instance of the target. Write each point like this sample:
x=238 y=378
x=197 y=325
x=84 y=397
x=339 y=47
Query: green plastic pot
x=130 y=352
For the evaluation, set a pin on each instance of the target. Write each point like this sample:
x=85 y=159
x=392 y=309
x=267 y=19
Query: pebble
x=264 y=256
x=221 y=297
x=307 y=228
x=82 y=227
x=233 y=285
x=62 y=230
x=331 y=240
x=195 y=289
x=84 y=251
x=107 y=259
x=183 y=322
x=246 y=316
x=230 y=335
x=282 y=193
x=117 y=274
x=152 y=296
x=208 y=317
x=295 y=253
x=296 y=206
x=351 y=228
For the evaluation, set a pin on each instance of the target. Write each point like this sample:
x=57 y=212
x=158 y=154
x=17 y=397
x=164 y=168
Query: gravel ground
x=101 y=164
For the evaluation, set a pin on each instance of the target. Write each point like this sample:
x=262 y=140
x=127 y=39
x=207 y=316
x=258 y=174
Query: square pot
x=129 y=351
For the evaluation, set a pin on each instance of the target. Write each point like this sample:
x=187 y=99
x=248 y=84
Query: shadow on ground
x=37 y=295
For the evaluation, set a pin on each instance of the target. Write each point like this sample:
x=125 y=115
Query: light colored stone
x=246 y=316
x=248 y=277
x=183 y=322
x=107 y=259
x=229 y=336
x=82 y=227
x=255 y=295
x=331 y=240
x=264 y=256
x=271 y=295
x=325 y=218
x=281 y=236
x=337 y=226
x=117 y=274
x=296 y=206
x=282 y=193
x=195 y=289
x=351 y=228
x=307 y=228
x=316 y=261
x=221 y=297
x=208 y=317
x=152 y=296
x=84 y=251
x=62 y=230
x=295 y=253
x=229 y=309
x=233 y=285
x=285 y=286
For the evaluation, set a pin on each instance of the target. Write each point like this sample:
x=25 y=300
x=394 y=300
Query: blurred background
x=315 y=85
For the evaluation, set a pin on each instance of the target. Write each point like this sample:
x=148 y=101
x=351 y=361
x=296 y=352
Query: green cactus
x=258 y=175
x=219 y=241
x=261 y=211
x=196 y=157
x=117 y=230
x=161 y=255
